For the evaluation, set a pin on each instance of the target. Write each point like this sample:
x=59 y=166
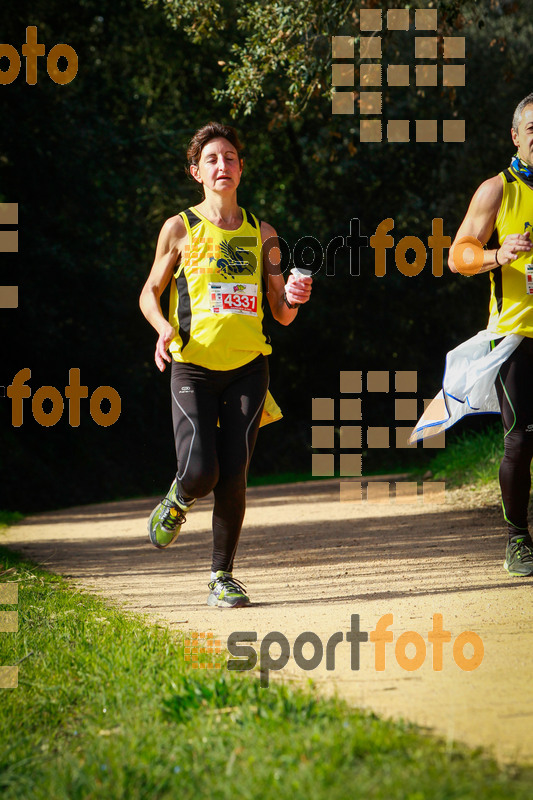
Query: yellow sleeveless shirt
x=216 y=297
x=511 y=295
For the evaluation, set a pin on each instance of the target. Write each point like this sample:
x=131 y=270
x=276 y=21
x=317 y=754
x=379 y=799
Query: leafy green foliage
x=97 y=166
x=288 y=43
x=281 y=51
x=9 y=518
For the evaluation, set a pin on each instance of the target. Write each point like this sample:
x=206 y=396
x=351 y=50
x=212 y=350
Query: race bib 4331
x=237 y=298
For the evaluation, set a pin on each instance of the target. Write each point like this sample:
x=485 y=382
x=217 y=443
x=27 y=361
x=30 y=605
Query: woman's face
x=220 y=167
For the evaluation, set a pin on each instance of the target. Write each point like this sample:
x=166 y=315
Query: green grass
x=107 y=707
x=9 y=518
x=472 y=458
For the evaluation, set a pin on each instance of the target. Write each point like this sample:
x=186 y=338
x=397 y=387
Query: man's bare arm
x=479 y=223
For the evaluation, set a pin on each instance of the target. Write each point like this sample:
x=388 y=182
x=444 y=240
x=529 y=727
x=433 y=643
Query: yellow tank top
x=216 y=297
x=511 y=295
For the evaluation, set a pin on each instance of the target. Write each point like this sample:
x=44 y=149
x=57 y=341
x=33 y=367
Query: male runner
x=500 y=216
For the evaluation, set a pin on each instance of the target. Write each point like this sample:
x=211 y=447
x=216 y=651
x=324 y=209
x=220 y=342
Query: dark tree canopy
x=96 y=166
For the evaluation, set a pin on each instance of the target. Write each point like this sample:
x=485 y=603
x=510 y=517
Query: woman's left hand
x=298 y=290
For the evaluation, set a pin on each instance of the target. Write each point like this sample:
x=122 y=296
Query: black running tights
x=514 y=387
x=216 y=458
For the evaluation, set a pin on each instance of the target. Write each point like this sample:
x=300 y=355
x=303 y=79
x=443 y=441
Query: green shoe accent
x=519 y=557
x=167 y=518
x=227 y=592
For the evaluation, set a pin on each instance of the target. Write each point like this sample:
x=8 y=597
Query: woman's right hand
x=161 y=354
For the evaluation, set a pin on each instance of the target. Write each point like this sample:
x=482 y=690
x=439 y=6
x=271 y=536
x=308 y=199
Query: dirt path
x=310 y=562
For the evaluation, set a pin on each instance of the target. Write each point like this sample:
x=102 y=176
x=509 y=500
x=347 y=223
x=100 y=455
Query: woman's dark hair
x=213 y=130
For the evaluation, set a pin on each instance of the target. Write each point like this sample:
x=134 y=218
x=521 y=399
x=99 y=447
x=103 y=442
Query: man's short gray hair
x=517 y=116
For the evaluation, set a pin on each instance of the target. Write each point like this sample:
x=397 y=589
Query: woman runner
x=222 y=261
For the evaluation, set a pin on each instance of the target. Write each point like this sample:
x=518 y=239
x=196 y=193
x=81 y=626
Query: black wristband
x=496 y=258
x=289 y=305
